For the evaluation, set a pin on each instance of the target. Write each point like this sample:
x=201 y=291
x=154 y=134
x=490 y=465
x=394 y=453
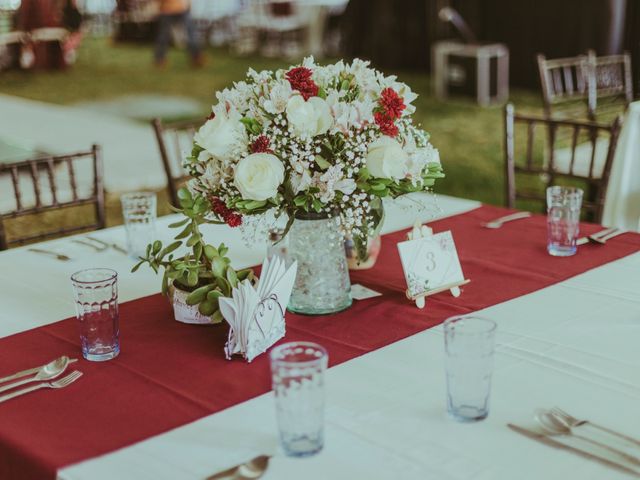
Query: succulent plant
x=205 y=271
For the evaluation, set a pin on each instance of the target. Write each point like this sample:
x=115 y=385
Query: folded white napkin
x=256 y=315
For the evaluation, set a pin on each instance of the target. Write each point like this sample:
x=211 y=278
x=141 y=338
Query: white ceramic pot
x=186 y=313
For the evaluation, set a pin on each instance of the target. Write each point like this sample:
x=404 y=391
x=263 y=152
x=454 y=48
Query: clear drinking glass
x=563 y=220
x=139 y=212
x=322 y=282
x=96 y=295
x=469 y=343
x=297 y=373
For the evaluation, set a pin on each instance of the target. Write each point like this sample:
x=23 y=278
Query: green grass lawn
x=469 y=137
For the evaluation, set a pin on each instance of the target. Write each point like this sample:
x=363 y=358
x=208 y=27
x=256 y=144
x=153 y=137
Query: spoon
x=555 y=425
x=47 y=372
x=57 y=256
x=249 y=470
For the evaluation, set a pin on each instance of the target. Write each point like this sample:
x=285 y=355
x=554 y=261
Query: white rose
x=222 y=135
x=387 y=159
x=308 y=118
x=258 y=176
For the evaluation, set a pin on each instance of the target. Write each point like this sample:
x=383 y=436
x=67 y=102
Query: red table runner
x=169 y=374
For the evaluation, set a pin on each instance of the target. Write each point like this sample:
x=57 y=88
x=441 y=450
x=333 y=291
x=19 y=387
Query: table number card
x=431 y=265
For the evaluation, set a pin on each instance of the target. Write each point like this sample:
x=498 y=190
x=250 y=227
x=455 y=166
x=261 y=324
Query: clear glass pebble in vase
x=322 y=283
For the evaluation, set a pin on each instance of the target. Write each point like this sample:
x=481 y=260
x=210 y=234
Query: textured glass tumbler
x=96 y=295
x=469 y=344
x=563 y=220
x=322 y=283
x=297 y=374
x=139 y=212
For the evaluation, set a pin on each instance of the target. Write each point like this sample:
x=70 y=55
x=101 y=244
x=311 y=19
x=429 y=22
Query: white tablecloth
x=574 y=344
x=622 y=205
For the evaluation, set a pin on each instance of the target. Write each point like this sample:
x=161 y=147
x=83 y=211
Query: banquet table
x=568 y=335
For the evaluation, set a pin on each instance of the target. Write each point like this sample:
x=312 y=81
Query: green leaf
x=137 y=266
x=322 y=93
x=224 y=286
x=223 y=249
x=157 y=246
x=217 y=317
x=378 y=186
x=322 y=162
x=179 y=224
x=207 y=308
x=232 y=277
x=192 y=278
x=193 y=240
x=217 y=266
x=169 y=248
x=345 y=85
x=299 y=201
x=253 y=204
x=213 y=295
x=198 y=295
x=317 y=205
x=210 y=252
x=185 y=194
x=244 y=274
x=185 y=233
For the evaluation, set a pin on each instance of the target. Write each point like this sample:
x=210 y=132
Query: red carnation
x=218 y=206
x=261 y=145
x=233 y=219
x=392 y=103
x=221 y=210
x=385 y=123
x=300 y=80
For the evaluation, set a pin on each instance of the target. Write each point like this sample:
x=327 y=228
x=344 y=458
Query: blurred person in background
x=53 y=48
x=176 y=12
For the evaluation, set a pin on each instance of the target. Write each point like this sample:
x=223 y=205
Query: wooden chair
x=538 y=171
x=54 y=184
x=613 y=87
x=565 y=86
x=174 y=140
x=586 y=86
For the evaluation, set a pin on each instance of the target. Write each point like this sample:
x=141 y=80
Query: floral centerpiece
x=312 y=141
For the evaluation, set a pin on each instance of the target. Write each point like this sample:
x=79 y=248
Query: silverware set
x=600 y=237
x=44 y=375
x=555 y=425
x=89 y=241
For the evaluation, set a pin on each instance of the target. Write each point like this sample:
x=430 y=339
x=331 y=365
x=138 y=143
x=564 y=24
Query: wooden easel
x=422 y=231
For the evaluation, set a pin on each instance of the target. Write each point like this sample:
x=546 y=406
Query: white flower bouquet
x=330 y=140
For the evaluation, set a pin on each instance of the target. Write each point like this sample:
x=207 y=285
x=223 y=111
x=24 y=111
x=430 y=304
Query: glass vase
x=322 y=283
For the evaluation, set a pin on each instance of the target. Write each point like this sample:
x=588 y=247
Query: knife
x=555 y=443
x=30 y=371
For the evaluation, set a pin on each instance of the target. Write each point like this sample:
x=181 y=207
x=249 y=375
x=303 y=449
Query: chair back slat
x=52 y=181
x=35 y=182
x=72 y=178
x=16 y=186
x=173 y=145
x=574 y=145
x=47 y=194
x=559 y=158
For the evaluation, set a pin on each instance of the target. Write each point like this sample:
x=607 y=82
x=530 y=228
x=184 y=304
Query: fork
x=89 y=244
x=498 y=222
x=58 y=256
x=63 y=382
x=575 y=422
x=115 y=246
